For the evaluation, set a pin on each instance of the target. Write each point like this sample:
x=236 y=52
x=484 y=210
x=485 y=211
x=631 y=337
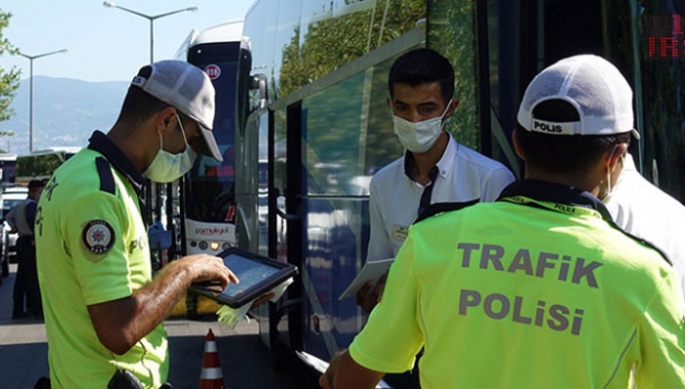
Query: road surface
x=245 y=362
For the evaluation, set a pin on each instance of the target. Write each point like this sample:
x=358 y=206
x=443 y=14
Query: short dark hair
x=556 y=153
x=139 y=105
x=422 y=66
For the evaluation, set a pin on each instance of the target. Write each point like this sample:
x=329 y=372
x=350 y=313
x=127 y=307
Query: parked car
x=9 y=198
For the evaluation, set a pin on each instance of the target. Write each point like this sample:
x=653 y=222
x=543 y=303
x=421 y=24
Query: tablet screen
x=249 y=273
x=257 y=275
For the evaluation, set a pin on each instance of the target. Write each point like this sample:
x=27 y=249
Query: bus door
x=286 y=208
x=255 y=198
x=268 y=197
x=516 y=40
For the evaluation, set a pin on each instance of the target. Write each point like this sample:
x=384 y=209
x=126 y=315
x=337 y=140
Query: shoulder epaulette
x=105 y=174
x=438 y=208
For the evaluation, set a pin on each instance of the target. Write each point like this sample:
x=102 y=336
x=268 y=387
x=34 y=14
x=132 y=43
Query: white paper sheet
x=321 y=366
x=371 y=271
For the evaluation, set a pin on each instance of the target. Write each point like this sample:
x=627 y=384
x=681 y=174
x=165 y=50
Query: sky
x=103 y=43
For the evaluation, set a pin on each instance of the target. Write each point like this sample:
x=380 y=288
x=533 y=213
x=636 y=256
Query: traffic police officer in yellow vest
x=103 y=309
x=539 y=289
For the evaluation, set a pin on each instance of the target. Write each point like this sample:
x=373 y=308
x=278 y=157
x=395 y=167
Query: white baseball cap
x=188 y=89
x=594 y=86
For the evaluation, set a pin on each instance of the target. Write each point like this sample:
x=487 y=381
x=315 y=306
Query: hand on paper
x=368 y=296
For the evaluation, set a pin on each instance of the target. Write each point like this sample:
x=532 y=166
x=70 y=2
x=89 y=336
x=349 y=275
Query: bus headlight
x=214 y=246
x=203 y=245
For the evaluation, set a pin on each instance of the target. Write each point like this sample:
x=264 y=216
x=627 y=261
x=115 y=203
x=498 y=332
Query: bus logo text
x=211 y=231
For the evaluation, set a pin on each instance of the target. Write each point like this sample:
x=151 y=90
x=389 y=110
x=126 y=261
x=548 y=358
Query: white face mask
x=421 y=136
x=167 y=167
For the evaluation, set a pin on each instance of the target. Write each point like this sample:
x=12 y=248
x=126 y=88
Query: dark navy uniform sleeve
x=31 y=213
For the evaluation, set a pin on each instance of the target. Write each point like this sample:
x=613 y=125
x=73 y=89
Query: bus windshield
x=210 y=183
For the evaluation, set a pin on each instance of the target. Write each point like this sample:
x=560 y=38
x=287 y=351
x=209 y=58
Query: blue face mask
x=167 y=167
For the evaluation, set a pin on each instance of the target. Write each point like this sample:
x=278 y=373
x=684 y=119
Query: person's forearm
x=156 y=300
x=344 y=373
x=121 y=323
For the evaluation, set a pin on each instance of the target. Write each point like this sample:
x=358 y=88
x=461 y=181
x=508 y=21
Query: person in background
x=26 y=289
x=434 y=169
x=644 y=210
x=542 y=277
x=103 y=310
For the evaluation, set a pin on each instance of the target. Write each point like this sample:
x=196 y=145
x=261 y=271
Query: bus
x=40 y=164
x=318 y=127
x=207 y=194
x=198 y=210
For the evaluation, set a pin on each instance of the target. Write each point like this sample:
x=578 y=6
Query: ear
x=166 y=120
x=389 y=102
x=517 y=144
x=614 y=155
x=453 y=105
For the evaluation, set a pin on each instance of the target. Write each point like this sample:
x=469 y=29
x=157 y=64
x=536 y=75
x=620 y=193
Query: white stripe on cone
x=210 y=347
x=211 y=373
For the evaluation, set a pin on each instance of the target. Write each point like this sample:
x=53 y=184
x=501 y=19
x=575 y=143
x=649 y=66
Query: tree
x=9 y=79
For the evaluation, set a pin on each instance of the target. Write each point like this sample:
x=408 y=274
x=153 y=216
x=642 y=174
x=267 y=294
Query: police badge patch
x=98 y=236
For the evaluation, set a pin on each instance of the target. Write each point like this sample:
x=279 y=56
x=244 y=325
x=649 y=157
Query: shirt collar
x=556 y=193
x=102 y=144
x=568 y=195
x=445 y=163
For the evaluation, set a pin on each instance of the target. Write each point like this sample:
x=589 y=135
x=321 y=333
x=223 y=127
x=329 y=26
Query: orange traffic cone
x=211 y=377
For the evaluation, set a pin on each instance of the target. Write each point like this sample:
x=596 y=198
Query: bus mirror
x=259 y=83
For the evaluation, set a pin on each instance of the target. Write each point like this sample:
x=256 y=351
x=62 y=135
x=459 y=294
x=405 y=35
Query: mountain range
x=65 y=112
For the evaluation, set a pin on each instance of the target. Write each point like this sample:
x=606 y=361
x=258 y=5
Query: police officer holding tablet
x=103 y=309
x=538 y=289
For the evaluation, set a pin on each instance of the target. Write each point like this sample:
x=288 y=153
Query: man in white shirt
x=645 y=211
x=434 y=169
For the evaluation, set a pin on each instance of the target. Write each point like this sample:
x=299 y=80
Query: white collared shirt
x=644 y=210
x=463 y=175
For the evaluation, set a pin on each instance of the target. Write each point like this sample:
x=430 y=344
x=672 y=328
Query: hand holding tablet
x=257 y=274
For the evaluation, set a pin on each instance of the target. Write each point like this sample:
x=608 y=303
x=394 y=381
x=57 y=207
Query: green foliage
x=9 y=80
x=348 y=129
x=452 y=33
x=331 y=43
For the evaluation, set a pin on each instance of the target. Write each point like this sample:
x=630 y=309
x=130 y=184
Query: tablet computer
x=257 y=274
